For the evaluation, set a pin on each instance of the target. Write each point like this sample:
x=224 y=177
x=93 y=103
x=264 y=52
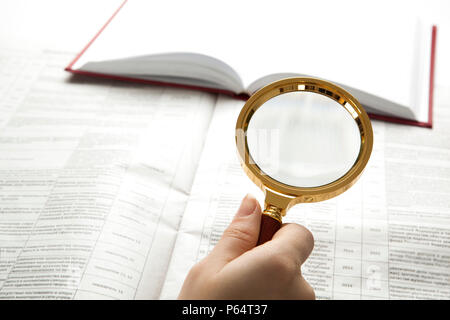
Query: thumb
x=241 y=235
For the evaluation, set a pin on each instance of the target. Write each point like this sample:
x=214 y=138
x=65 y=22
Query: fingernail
x=248 y=206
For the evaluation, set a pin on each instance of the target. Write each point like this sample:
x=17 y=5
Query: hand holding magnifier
x=301 y=140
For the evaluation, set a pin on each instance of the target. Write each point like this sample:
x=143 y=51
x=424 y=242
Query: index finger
x=293 y=239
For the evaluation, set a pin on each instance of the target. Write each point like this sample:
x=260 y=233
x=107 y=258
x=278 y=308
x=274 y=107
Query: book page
x=94 y=178
x=387 y=237
x=365 y=46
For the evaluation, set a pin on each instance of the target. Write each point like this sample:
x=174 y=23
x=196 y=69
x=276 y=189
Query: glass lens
x=303 y=139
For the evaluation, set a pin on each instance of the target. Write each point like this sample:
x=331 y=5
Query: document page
x=94 y=178
x=387 y=237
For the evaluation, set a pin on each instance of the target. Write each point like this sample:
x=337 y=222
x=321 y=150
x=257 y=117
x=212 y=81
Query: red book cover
x=428 y=124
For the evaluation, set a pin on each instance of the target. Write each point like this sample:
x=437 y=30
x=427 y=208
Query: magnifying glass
x=301 y=140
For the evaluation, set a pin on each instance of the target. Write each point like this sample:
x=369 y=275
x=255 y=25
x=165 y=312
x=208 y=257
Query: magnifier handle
x=270 y=223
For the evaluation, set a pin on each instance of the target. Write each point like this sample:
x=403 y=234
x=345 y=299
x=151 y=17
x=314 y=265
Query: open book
x=114 y=190
x=385 y=60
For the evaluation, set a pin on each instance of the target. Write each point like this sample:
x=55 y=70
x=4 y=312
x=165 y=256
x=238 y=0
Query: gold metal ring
x=282 y=195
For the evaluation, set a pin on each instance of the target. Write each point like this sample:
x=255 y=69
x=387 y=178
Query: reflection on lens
x=303 y=139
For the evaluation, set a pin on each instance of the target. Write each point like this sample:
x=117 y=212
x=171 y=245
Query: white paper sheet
x=93 y=193
x=94 y=177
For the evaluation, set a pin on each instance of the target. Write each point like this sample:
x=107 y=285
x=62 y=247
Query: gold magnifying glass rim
x=304 y=84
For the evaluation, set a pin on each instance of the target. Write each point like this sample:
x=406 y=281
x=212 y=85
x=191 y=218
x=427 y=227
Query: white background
x=68 y=25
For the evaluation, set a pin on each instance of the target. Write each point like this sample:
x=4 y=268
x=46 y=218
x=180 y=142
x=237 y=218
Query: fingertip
x=299 y=229
x=249 y=205
x=295 y=238
x=242 y=233
x=258 y=209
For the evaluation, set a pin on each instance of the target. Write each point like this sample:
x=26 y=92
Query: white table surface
x=68 y=25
